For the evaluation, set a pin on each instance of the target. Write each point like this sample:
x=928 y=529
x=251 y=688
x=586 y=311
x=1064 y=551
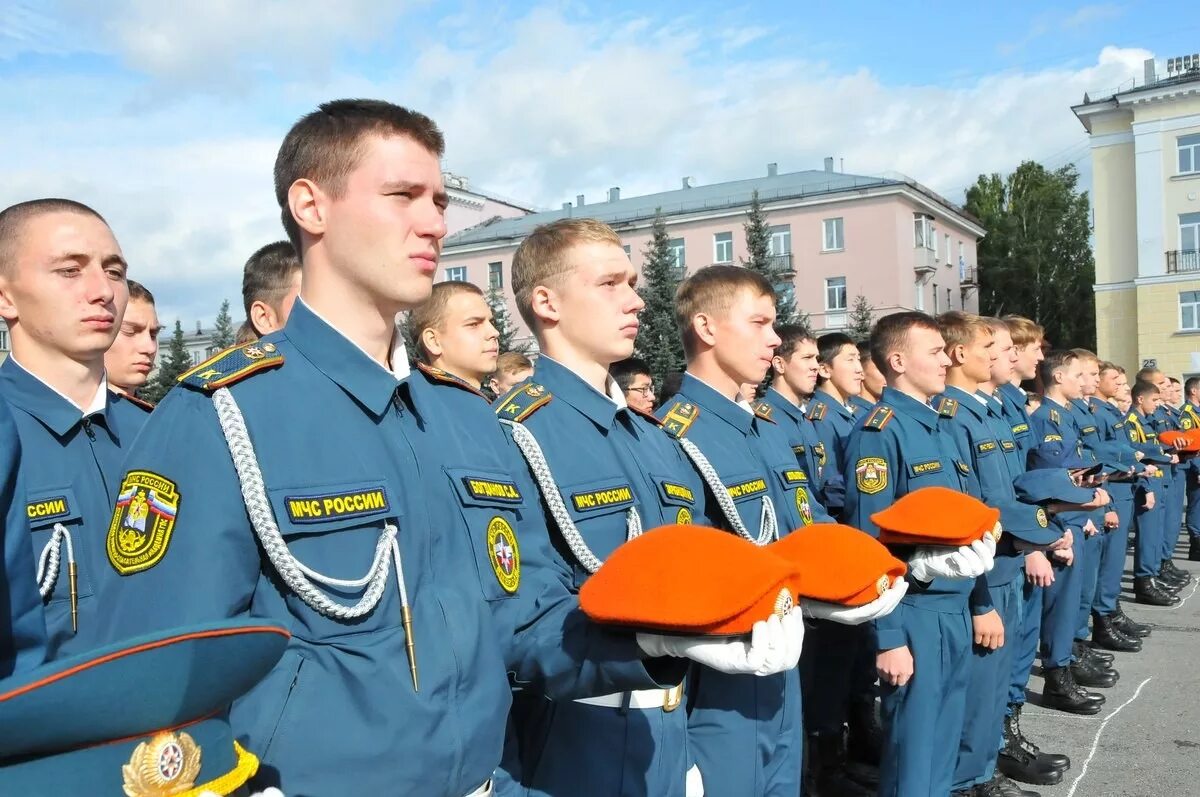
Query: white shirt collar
x=398 y=362
x=739 y=399
x=612 y=391
x=98 y=403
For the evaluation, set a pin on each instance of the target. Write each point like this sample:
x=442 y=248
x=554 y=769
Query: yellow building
x=1145 y=141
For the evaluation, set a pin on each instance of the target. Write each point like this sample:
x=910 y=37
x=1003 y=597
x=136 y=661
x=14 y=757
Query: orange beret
x=1188 y=441
x=688 y=579
x=839 y=564
x=936 y=516
x=1173 y=438
x=1191 y=440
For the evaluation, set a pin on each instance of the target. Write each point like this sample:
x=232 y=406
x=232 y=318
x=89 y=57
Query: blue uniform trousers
x=922 y=717
x=987 y=692
x=828 y=673
x=1029 y=613
x=1192 y=480
x=1112 y=559
x=1060 y=606
x=1093 y=552
x=1148 y=547
x=1173 y=521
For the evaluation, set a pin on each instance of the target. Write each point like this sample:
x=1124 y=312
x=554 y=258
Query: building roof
x=697 y=199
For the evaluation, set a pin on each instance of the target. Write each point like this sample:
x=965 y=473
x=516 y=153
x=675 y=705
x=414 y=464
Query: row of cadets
x=1189 y=418
x=900 y=447
x=385 y=655
x=746 y=735
x=980 y=359
x=576 y=289
x=64 y=293
x=1167 y=418
x=1148 y=583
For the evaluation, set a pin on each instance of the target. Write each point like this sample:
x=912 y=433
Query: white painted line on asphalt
x=1099 y=731
x=1190 y=594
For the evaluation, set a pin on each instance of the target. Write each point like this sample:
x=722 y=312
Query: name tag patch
x=986 y=446
x=1008 y=445
x=48 y=508
x=599 y=499
x=1020 y=428
x=335 y=506
x=921 y=468
x=747 y=488
x=678 y=492
x=794 y=477
x=490 y=488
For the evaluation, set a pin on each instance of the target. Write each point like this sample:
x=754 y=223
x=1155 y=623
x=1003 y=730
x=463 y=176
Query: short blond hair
x=512 y=363
x=711 y=291
x=541 y=257
x=430 y=313
x=1086 y=355
x=1024 y=331
x=961 y=329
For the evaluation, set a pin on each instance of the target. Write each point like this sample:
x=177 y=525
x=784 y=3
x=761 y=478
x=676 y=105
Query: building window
x=1189 y=154
x=3 y=340
x=923 y=230
x=834 y=235
x=496 y=275
x=920 y=303
x=1189 y=232
x=1189 y=311
x=962 y=261
x=456 y=274
x=936 y=309
x=781 y=239
x=949 y=257
x=677 y=253
x=723 y=247
x=835 y=293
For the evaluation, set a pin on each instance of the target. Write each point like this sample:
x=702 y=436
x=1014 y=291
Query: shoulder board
x=1132 y=418
x=679 y=418
x=141 y=403
x=763 y=410
x=445 y=377
x=522 y=401
x=817 y=411
x=645 y=415
x=880 y=417
x=947 y=407
x=1054 y=416
x=232 y=365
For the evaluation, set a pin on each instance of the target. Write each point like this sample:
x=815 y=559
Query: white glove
x=986 y=549
x=929 y=563
x=772 y=646
x=856 y=615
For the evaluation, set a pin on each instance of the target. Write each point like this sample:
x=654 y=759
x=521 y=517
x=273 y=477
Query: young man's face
x=504 y=382
x=1028 y=357
x=845 y=371
x=922 y=361
x=465 y=343
x=1005 y=363
x=385 y=232
x=976 y=357
x=1070 y=379
x=873 y=381
x=744 y=336
x=65 y=291
x=640 y=393
x=799 y=371
x=1108 y=385
x=130 y=359
x=1147 y=403
x=1090 y=378
x=596 y=304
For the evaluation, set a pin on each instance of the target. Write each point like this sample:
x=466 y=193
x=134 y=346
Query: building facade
x=840 y=236
x=1145 y=146
x=471 y=207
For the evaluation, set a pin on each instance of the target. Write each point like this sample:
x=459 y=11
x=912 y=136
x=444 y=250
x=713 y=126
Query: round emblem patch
x=504 y=553
x=683 y=517
x=1041 y=518
x=803 y=506
x=881 y=586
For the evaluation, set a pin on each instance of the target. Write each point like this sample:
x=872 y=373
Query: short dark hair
x=791 y=336
x=1191 y=384
x=138 y=292
x=1141 y=387
x=864 y=350
x=711 y=290
x=891 y=333
x=1055 y=359
x=325 y=146
x=268 y=274
x=625 y=370
x=429 y=313
x=14 y=218
x=672 y=382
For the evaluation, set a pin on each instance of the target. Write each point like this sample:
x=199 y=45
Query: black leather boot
x=1062 y=693
x=1000 y=786
x=1146 y=590
x=1020 y=759
x=1128 y=626
x=1086 y=673
x=826 y=774
x=1168 y=578
x=1194 y=549
x=1098 y=657
x=1178 y=573
x=1107 y=635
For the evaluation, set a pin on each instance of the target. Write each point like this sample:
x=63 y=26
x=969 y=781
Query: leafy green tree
x=1036 y=260
x=503 y=323
x=174 y=363
x=223 y=331
x=659 y=342
x=776 y=269
x=861 y=319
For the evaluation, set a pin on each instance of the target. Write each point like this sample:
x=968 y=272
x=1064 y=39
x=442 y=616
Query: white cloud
x=540 y=108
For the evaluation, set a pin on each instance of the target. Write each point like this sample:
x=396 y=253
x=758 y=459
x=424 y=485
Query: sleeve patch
x=142 y=522
x=871 y=475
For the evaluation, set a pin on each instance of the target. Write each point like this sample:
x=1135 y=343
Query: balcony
x=782 y=264
x=968 y=277
x=1183 y=261
x=925 y=261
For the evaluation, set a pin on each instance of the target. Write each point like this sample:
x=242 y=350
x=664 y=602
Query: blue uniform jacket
x=833 y=422
x=23 y=633
x=900 y=447
x=1055 y=426
x=70 y=465
x=1013 y=399
x=345 y=448
x=802 y=436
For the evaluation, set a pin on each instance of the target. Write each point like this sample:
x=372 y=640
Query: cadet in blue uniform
x=1060 y=446
x=65 y=289
x=826 y=665
x=130 y=359
x=1166 y=418
x=1147 y=549
x=1189 y=419
x=23 y=633
x=746 y=733
x=575 y=288
x=831 y=410
x=985 y=442
x=873 y=382
x=303 y=478
x=901 y=447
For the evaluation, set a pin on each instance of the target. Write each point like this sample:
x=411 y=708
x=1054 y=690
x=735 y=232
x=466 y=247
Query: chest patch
x=48 y=508
x=490 y=488
x=142 y=522
x=804 y=506
x=336 y=506
x=921 y=468
x=504 y=553
x=601 y=499
x=871 y=474
x=746 y=488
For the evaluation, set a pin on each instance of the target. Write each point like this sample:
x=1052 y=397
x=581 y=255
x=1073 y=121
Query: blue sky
x=166 y=117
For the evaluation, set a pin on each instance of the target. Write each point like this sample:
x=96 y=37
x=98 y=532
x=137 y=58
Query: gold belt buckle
x=673 y=697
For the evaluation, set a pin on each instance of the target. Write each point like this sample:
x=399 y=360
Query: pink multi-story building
x=470 y=207
x=891 y=240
